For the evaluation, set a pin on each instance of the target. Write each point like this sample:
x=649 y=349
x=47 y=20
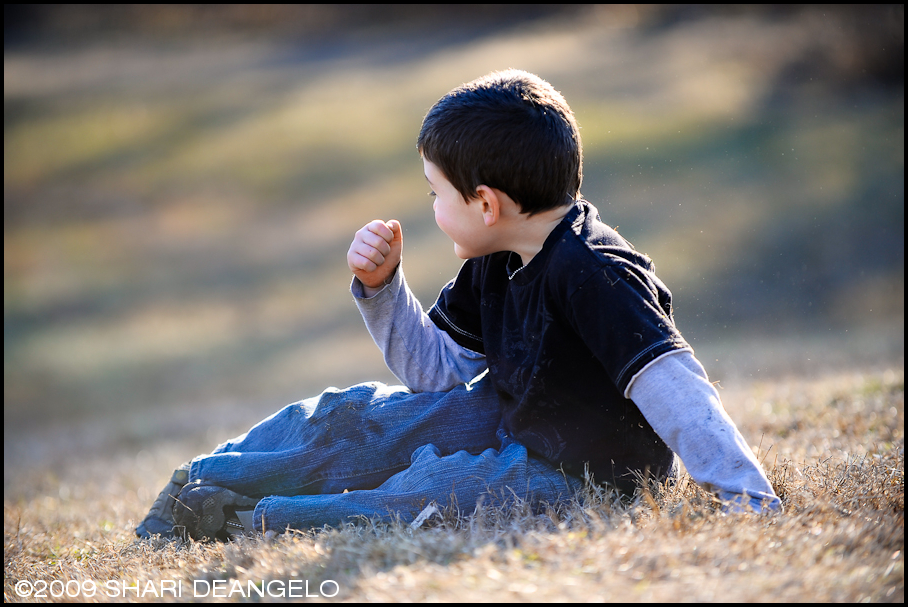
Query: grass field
x=832 y=444
x=179 y=194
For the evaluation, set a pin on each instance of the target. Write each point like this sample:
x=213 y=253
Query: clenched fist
x=375 y=253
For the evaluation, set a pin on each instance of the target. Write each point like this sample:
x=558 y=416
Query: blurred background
x=181 y=184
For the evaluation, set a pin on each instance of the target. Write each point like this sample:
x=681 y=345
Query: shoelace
x=235 y=524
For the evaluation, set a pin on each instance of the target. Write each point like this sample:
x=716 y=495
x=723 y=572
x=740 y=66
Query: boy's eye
x=431 y=194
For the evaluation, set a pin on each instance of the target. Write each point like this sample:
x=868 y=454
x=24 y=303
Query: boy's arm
x=676 y=398
x=420 y=355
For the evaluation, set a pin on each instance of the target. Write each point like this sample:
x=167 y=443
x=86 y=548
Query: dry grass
x=833 y=447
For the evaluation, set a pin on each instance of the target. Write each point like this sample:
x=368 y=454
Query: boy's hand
x=375 y=253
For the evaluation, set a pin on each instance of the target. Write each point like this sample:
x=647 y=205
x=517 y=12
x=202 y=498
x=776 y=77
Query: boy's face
x=461 y=221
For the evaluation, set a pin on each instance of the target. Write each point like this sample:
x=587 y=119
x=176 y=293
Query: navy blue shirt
x=563 y=336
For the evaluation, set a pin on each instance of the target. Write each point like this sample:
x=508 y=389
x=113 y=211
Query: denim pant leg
x=351 y=439
x=463 y=479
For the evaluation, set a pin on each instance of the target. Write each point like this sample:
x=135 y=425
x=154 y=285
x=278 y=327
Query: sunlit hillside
x=177 y=207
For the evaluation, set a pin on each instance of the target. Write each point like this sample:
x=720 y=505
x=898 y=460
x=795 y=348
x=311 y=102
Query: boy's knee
x=425 y=453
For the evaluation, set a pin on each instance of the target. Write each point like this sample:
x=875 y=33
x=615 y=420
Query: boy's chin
x=472 y=253
x=462 y=253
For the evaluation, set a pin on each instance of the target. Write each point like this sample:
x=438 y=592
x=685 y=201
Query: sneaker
x=209 y=512
x=240 y=524
x=159 y=520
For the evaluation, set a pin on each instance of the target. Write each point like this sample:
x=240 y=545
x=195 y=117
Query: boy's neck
x=526 y=234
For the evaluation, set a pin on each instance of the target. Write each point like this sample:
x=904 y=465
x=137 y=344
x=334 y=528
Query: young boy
x=552 y=351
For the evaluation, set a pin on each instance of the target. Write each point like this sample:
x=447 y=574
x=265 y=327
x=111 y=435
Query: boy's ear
x=490 y=204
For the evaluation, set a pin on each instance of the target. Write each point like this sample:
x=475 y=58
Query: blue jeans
x=392 y=451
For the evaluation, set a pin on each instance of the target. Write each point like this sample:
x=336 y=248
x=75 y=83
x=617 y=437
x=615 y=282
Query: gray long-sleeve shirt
x=673 y=393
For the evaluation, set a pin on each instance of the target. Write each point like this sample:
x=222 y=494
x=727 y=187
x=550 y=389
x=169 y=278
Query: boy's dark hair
x=511 y=131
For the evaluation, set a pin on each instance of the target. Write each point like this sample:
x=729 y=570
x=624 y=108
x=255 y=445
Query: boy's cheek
x=442 y=225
